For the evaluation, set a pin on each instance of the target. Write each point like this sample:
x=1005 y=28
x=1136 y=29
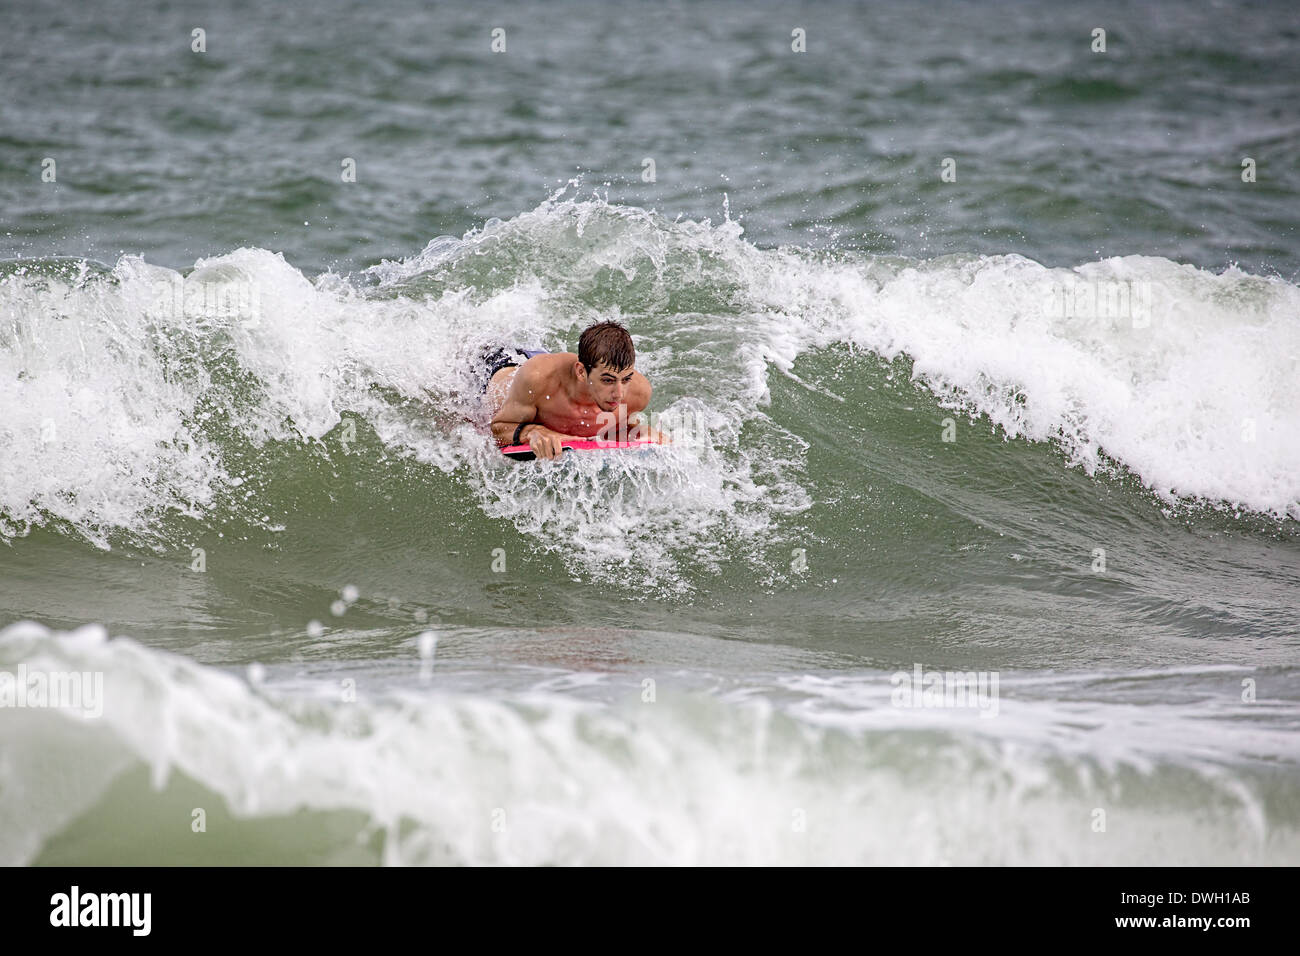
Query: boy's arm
x=520 y=409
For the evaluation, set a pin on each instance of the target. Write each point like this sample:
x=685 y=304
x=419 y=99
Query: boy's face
x=609 y=386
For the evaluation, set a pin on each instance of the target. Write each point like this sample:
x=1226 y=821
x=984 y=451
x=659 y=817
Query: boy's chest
x=572 y=419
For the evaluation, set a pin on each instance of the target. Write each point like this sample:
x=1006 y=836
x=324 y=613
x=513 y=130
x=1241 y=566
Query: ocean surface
x=980 y=349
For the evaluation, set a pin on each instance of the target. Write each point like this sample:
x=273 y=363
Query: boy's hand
x=546 y=443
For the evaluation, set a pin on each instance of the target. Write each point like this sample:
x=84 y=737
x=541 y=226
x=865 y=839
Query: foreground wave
x=192 y=764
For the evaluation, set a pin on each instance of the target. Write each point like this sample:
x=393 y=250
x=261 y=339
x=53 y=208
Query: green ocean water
x=1036 y=424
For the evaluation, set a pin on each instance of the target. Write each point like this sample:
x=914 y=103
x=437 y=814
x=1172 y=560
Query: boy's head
x=606 y=357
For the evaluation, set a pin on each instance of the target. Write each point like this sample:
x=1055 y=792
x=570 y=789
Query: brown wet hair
x=606 y=343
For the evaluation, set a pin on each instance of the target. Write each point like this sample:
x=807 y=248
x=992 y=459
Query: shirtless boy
x=555 y=397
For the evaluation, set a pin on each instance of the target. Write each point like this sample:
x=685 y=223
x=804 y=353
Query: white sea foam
x=1190 y=386
x=817 y=771
x=108 y=388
